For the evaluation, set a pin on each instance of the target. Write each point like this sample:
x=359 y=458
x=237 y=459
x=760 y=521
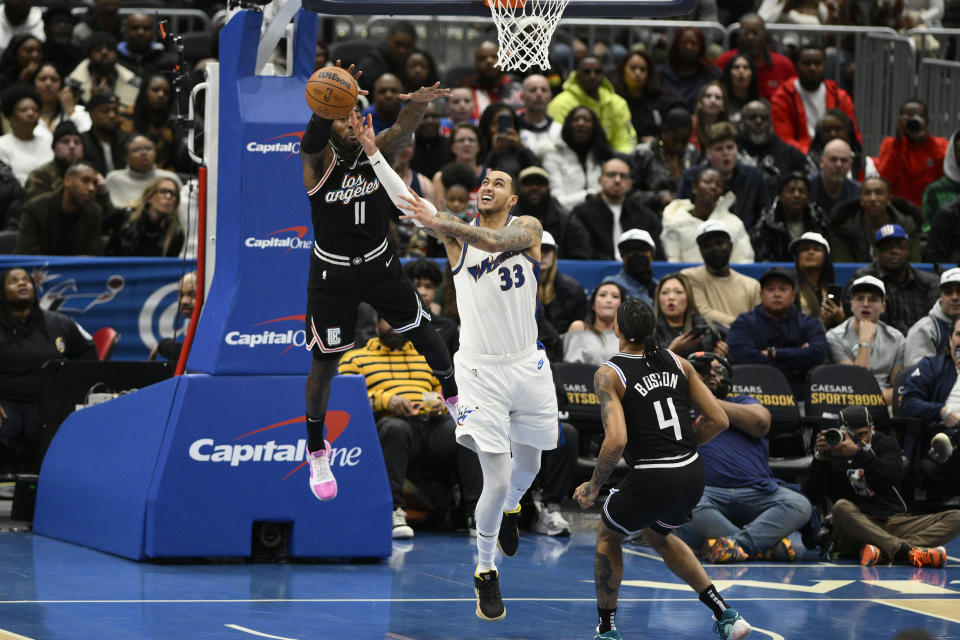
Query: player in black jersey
x=352 y=262
x=645 y=393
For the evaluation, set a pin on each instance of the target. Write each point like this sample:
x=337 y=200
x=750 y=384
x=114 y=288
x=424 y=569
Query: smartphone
x=834 y=292
x=504 y=121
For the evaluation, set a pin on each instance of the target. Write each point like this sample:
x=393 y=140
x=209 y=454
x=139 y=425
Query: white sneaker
x=322 y=483
x=941 y=448
x=550 y=522
x=401 y=530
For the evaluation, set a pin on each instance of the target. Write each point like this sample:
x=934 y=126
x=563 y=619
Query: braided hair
x=638 y=325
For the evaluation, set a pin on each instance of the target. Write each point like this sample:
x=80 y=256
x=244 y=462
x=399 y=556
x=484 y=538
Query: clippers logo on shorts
x=290 y=238
x=233 y=454
x=333 y=336
x=352 y=186
x=289 y=338
x=487 y=265
x=290 y=147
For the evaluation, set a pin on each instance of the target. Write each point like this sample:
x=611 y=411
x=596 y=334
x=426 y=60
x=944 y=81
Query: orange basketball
x=331 y=92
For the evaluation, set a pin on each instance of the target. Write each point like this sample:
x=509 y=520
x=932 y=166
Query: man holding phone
x=412 y=422
x=506 y=152
x=865 y=340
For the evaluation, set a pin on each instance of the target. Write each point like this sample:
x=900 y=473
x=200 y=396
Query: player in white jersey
x=507 y=411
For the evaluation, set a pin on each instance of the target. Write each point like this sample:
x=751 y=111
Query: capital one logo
x=269 y=337
x=289 y=239
x=288 y=143
x=234 y=454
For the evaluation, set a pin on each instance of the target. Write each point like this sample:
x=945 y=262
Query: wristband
x=865 y=344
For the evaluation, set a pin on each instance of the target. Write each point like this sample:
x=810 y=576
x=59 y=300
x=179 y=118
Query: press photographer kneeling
x=859 y=470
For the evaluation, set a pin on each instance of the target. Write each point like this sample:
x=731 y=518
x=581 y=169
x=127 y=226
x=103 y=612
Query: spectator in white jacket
x=576 y=163
x=682 y=218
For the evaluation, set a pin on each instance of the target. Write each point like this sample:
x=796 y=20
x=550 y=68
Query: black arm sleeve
x=316 y=136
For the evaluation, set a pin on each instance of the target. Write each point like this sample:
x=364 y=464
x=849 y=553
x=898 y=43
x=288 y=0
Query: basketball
x=331 y=92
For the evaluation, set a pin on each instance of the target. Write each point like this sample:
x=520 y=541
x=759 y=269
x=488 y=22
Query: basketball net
x=524 y=31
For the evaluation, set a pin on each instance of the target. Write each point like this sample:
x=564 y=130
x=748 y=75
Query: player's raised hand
x=420 y=210
x=426 y=94
x=585 y=495
x=363 y=129
x=356 y=76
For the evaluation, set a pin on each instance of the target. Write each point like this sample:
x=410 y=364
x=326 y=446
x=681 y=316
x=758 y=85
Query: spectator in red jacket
x=773 y=69
x=800 y=102
x=913 y=158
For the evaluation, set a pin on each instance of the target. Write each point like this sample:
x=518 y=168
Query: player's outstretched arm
x=393 y=139
x=526 y=232
x=713 y=419
x=608 y=388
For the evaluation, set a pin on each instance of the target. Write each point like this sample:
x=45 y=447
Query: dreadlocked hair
x=638 y=325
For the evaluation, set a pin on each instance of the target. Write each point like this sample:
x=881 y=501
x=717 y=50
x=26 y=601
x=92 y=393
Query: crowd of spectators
x=684 y=153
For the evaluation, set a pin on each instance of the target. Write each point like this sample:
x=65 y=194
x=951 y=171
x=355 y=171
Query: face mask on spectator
x=637 y=266
x=716 y=259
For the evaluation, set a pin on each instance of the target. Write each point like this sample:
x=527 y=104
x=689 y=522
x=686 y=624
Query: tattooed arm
x=608 y=388
x=396 y=137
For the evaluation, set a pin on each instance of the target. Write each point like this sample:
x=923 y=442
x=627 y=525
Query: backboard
x=476 y=8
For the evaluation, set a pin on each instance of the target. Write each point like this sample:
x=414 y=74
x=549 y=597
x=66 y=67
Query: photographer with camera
x=745 y=512
x=913 y=158
x=866 y=341
x=859 y=469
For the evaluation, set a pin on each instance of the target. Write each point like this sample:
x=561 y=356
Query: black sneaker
x=509 y=537
x=489 y=603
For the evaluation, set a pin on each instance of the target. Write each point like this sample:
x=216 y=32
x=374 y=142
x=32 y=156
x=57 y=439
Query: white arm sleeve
x=393 y=183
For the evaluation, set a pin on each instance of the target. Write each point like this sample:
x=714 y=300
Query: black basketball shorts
x=661 y=499
x=334 y=292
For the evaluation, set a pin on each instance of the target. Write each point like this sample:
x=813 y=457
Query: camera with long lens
x=914 y=124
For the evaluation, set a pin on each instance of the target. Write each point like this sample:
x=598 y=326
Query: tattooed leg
x=608 y=567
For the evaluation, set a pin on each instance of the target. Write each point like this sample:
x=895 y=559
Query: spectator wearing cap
x=789 y=217
x=759 y=146
x=636 y=248
x=818 y=294
x=910 y=292
x=913 y=158
x=683 y=220
x=66 y=221
x=930 y=334
x=607 y=215
x=854 y=223
x=534 y=199
x=861 y=476
x=832 y=185
x=100 y=72
x=127 y=184
x=27 y=146
x=20 y=17
x=563 y=299
x=746 y=183
x=67 y=148
x=721 y=293
x=105 y=144
x=744 y=513
x=865 y=340
x=777 y=334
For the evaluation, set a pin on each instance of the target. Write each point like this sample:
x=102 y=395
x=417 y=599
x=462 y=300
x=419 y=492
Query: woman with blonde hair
x=680 y=327
x=153 y=228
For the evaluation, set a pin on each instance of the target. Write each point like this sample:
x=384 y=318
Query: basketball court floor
x=51 y=590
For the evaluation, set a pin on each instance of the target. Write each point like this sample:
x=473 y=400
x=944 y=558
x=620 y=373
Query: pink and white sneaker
x=322 y=482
